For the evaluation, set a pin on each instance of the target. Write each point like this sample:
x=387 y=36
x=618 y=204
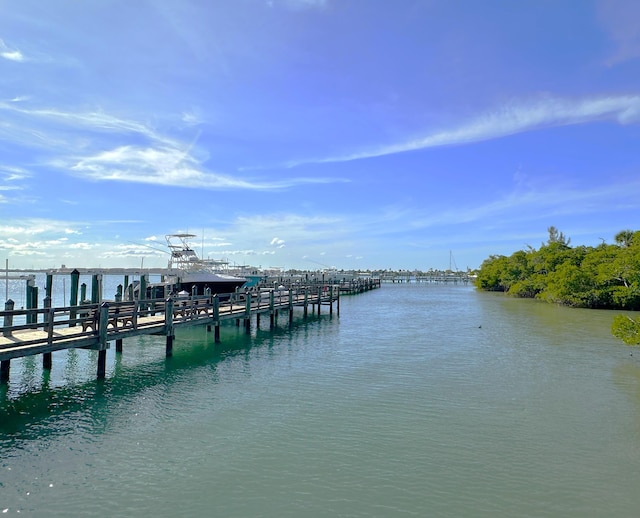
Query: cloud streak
x=159 y=160
x=169 y=166
x=509 y=120
x=9 y=53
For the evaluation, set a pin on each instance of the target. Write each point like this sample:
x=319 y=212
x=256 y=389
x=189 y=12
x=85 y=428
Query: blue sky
x=309 y=133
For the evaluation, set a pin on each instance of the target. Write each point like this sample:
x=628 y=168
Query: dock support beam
x=168 y=326
x=216 y=319
x=290 y=306
x=247 y=314
x=272 y=311
x=331 y=300
x=102 y=363
x=5 y=367
x=103 y=322
x=48 y=318
x=169 y=347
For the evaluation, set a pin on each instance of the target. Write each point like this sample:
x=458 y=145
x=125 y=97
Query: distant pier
x=433 y=277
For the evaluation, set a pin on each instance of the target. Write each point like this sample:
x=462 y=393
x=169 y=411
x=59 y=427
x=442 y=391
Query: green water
x=419 y=400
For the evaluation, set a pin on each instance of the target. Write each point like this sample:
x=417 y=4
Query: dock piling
x=5 y=367
x=96 y=325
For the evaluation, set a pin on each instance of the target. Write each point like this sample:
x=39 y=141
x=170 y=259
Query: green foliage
x=606 y=276
x=627 y=329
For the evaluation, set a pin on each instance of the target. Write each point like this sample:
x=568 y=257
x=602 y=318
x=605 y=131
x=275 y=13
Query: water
x=419 y=400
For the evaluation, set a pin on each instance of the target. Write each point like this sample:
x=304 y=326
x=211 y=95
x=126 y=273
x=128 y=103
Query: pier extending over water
x=434 y=276
x=32 y=331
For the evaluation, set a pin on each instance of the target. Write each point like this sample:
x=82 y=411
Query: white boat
x=188 y=272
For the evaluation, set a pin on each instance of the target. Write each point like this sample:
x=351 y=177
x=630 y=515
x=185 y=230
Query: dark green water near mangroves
x=419 y=400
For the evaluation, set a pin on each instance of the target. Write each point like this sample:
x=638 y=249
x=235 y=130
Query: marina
x=34 y=331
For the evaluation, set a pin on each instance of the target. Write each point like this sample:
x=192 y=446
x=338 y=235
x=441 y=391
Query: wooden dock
x=95 y=326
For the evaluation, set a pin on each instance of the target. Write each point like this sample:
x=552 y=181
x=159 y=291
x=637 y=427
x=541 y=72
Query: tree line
x=606 y=276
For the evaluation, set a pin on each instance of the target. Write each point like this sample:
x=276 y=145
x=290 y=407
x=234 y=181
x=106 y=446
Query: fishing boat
x=190 y=275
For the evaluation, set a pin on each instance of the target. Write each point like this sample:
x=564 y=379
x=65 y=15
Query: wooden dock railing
x=27 y=332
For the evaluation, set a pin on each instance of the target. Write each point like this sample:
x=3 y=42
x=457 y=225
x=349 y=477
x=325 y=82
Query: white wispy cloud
x=160 y=160
x=509 y=119
x=12 y=173
x=96 y=120
x=168 y=166
x=10 y=53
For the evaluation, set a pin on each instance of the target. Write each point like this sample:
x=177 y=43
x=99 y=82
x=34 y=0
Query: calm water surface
x=419 y=400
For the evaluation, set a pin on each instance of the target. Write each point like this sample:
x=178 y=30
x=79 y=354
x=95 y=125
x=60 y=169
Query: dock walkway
x=94 y=326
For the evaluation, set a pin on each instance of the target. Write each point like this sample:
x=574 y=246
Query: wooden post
x=331 y=300
x=96 y=295
x=247 y=313
x=319 y=298
x=32 y=300
x=142 y=295
x=8 y=319
x=48 y=318
x=48 y=289
x=102 y=364
x=306 y=301
x=5 y=367
x=290 y=305
x=216 y=319
x=168 y=325
x=118 y=345
x=73 y=300
x=103 y=321
x=272 y=311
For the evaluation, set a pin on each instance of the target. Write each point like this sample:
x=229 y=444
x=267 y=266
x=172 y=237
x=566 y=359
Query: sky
x=310 y=134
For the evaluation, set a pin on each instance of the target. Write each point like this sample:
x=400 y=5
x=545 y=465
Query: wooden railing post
x=48 y=320
x=103 y=322
x=272 y=311
x=8 y=318
x=73 y=301
x=247 y=313
x=168 y=325
x=216 y=319
x=331 y=300
x=290 y=304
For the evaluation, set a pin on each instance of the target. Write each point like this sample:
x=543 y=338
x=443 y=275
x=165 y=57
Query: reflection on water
x=418 y=400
